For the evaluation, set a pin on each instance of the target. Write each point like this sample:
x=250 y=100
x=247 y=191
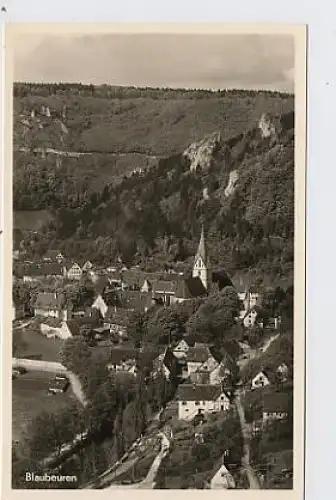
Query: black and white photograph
x=158 y=257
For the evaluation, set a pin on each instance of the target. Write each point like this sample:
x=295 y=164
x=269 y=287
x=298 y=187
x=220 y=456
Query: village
x=207 y=380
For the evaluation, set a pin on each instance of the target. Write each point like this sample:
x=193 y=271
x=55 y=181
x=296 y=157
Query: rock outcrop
x=200 y=153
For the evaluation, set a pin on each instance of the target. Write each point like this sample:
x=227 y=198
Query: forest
x=100 y=209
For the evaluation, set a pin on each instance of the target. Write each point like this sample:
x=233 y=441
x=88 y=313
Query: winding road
x=149 y=481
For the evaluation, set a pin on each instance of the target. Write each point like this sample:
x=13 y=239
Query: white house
x=87 y=266
x=73 y=271
x=259 y=381
x=222 y=479
x=52 y=305
x=100 y=304
x=282 y=372
x=146 y=286
x=181 y=349
x=220 y=373
x=200 y=399
x=58 y=329
x=200 y=358
x=249 y=317
x=275 y=407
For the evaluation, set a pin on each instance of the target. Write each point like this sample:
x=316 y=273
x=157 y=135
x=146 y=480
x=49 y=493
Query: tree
x=75 y=354
x=49 y=431
x=165 y=326
x=136 y=327
x=215 y=320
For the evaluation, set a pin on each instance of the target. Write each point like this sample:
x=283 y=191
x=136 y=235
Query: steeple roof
x=201 y=251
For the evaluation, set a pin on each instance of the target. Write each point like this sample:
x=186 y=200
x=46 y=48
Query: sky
x=158 y=60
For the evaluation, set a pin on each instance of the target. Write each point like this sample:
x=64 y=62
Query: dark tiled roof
x=198 y=392
x=73 y=327
x=137 y=301
x=163 y=286
x=189 y=288
x=43 y=269
x=50 y=300
x=276 y=402
x=198 y=354
x=52 y=254
x=118 y=355
x=69 y=264
x=221 y=277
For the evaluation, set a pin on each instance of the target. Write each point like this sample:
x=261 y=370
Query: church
x=203 y=276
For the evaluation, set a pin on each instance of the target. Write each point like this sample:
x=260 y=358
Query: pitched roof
x=73 y=326
x=52 y=254
x=136 y=300
x=198 y=392
x=189 y=288
x=201 y=251
x=52 y=322
x=43 y=269
x=163 y=286
x=198 y=354
x=118 y=355
x=276 y=402
x=169 y=359
x=69 y=264
x=46 y=300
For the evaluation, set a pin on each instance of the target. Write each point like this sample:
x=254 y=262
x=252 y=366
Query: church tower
x=201 y=263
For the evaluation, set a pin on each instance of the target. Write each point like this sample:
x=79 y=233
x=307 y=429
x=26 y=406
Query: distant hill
x=127 y=120
x=224 y=159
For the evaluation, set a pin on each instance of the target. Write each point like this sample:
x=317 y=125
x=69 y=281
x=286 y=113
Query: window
x=197 y=403
x=184 y=403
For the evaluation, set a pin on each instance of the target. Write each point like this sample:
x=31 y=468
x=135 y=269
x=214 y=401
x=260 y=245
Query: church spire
x=201 y=251
x=201 y=263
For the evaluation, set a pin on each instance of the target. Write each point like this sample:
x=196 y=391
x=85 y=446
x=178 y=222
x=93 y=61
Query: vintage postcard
x=154 y=258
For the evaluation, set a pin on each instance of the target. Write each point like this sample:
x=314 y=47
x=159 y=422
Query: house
x=54 y=256
x=274 y=323
x=249 y=318
x=53 y=327
x=187 y=289
x=200 y=376
x=201 y=399
x=259 y=381
x=276 y=406
x=100 y=304
x=122 y=359
x=282 y=372
x=200 y=357
x=181 y=349
x=87 y=266
x=137 y=301
x=52 y=305
x=226 y=371
x=164 y=290
x=222 y=479
x=40 y=271
x=146 y=286
x=167 y=364
x=73 y=271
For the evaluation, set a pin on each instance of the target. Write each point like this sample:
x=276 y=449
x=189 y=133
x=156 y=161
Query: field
x=31 y=342
x=30 y=397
